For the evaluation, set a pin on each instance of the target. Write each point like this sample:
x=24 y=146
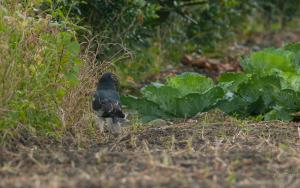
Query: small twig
x=192 y=3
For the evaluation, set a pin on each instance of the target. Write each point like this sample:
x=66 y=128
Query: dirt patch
x=195 y=153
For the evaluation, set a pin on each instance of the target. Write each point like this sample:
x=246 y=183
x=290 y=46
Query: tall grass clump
x=40 y=64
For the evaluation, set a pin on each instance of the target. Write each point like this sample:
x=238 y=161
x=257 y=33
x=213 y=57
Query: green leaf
x=74 y=48
x=234 y=105
x=148 y=109
x=188 y=83
x=253 y=97
x=288 y=100
x=230 y=81
x=270 y=61
x=64 y=38
x=194 y=103
x=278 y=114
x=260 y=86
x=161 y=95
x=295 y=47
x=290 y=81
x=60 y=93
x=72 y=78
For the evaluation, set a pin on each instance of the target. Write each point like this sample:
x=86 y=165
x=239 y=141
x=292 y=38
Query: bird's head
x=108 y=79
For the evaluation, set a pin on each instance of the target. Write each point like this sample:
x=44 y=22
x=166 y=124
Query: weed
x=47 y=80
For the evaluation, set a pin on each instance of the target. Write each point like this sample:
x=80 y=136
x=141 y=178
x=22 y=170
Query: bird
x=106 y=103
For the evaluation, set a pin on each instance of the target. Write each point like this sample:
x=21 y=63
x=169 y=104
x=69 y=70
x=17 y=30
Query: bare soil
x=197 y=152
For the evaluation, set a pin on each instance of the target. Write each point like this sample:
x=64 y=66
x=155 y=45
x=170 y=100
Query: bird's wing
x=108 y=103
x=102 y=97
x=96 y=102
x=112 y=109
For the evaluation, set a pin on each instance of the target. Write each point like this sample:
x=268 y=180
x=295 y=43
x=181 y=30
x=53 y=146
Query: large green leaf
x=163 y=102
x=270 y=60
x=188 y=83
x=254 y=97
x=288 y=99
x=234 y=105
x=295 y=47
x=148 y=109
x=191 y=104
x=278 y=114
x=290 y=81
x=161 y=95
x=230 y=81
x=257 y=87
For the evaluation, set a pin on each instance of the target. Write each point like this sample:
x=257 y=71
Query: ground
x=211 y=150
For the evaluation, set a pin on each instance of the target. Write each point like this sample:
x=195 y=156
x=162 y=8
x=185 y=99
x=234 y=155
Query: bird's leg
x=113 y=126
x=101 y=124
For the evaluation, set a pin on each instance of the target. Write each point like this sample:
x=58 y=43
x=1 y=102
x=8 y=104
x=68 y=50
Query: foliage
x=269 y=87
x=149 y=29
x=135 y=22
x=39 y=63
x=273 y=60
x=182 y=96
x=279 y=10
x=280 y=92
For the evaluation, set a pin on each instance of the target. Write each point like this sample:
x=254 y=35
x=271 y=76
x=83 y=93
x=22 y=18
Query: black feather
x=106 y=99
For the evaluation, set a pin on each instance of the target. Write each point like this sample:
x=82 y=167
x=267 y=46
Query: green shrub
x=278 y=11
x=200 y=23
x=160 y=32
x=39 y=63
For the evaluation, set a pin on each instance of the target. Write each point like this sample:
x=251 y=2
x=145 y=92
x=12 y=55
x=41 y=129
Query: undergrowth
x=46 y=76
x=268 y=88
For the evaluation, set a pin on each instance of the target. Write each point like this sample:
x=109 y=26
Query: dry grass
x=76 y=107
x=76 y=113
x=32 y=70
x=196 y=153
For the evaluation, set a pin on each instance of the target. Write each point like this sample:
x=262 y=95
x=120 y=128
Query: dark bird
x=107 y=104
